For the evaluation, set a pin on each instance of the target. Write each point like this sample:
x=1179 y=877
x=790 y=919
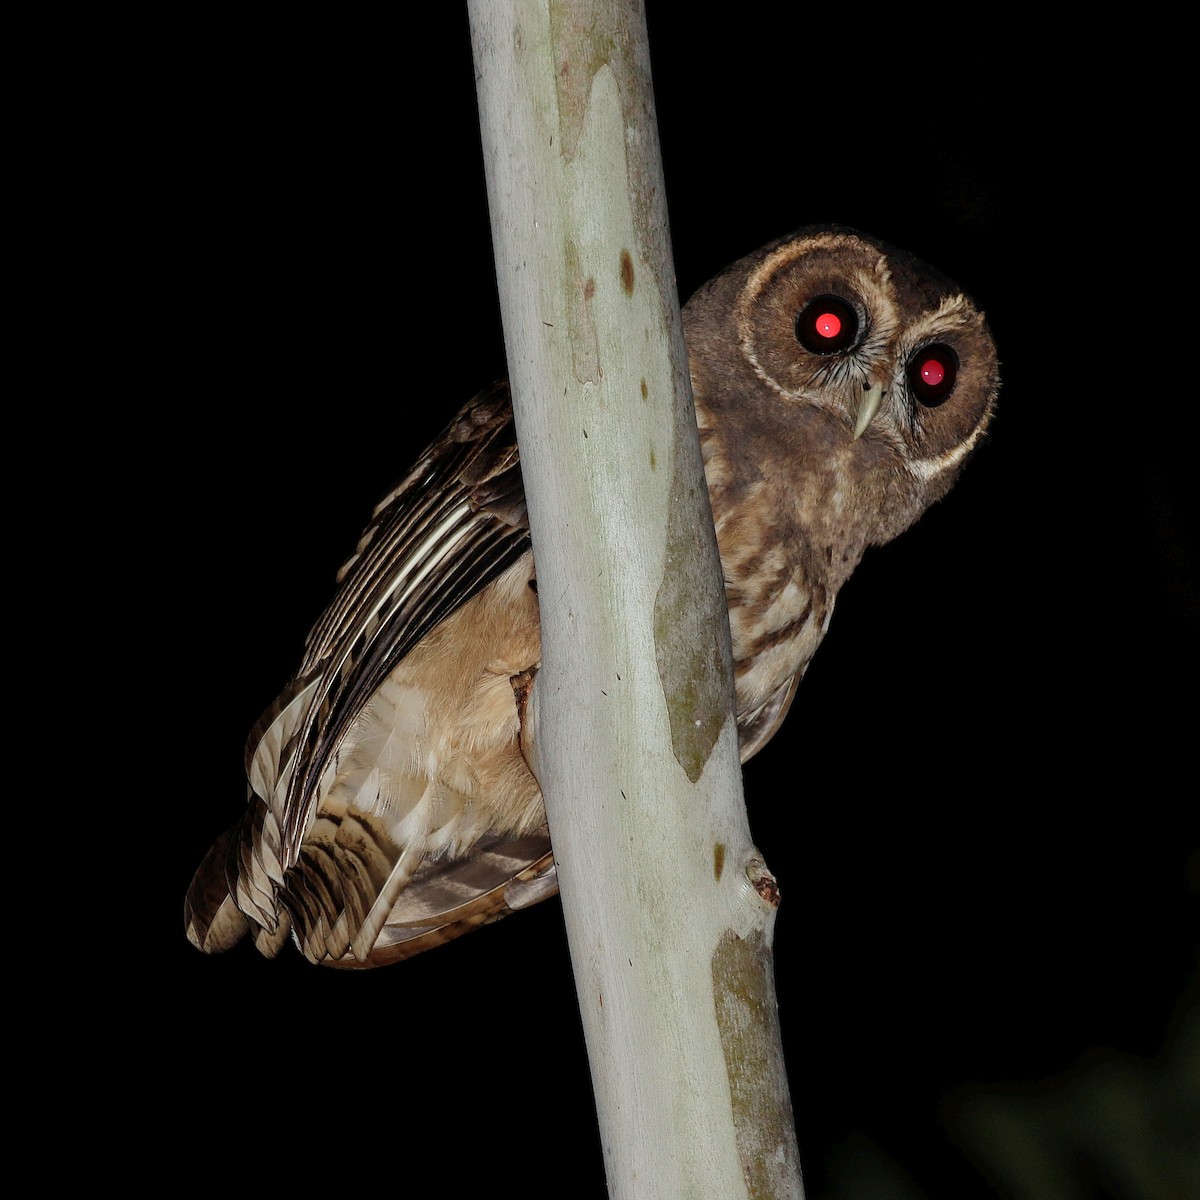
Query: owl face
x=861 y=359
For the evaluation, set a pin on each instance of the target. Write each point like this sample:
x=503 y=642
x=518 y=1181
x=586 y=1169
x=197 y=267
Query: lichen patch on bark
x=748 y=1021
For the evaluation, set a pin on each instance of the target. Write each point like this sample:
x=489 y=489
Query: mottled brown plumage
x=839 y=387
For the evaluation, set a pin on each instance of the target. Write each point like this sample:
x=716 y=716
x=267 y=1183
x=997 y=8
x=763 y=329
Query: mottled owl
x=840 y=385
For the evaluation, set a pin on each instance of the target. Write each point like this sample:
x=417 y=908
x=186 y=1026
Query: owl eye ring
x=827 y=325
x=932 y=373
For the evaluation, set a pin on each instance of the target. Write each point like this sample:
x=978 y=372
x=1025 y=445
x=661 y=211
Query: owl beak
x=868 y=406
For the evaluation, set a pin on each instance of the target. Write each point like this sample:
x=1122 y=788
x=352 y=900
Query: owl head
x=849 y=362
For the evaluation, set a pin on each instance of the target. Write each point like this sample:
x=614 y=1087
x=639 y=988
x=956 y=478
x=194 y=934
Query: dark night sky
x=987 y=896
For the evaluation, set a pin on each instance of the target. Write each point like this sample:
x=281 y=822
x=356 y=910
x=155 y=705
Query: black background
x=981 y=809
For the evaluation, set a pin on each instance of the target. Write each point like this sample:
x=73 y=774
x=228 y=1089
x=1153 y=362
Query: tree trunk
x=668 y=905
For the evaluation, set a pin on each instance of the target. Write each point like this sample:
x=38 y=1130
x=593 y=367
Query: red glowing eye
x=932 y=374
x=827 y=325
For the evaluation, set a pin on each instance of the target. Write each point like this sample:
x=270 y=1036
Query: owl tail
x=213 y=921
x=212 y=918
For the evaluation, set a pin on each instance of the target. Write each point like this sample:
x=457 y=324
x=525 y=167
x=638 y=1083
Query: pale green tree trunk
x=668 y=906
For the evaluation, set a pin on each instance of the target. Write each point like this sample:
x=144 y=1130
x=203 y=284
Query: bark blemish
x=697 y=683
x=763 y=882
x=626 y=273
x=748 y=1021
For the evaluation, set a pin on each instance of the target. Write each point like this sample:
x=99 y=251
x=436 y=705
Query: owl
x=840 y=385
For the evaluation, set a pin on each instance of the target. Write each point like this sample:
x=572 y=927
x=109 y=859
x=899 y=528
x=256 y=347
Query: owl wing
x=452 y=525
x=758 y=727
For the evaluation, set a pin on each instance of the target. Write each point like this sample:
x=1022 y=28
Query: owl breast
x=779 y=602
